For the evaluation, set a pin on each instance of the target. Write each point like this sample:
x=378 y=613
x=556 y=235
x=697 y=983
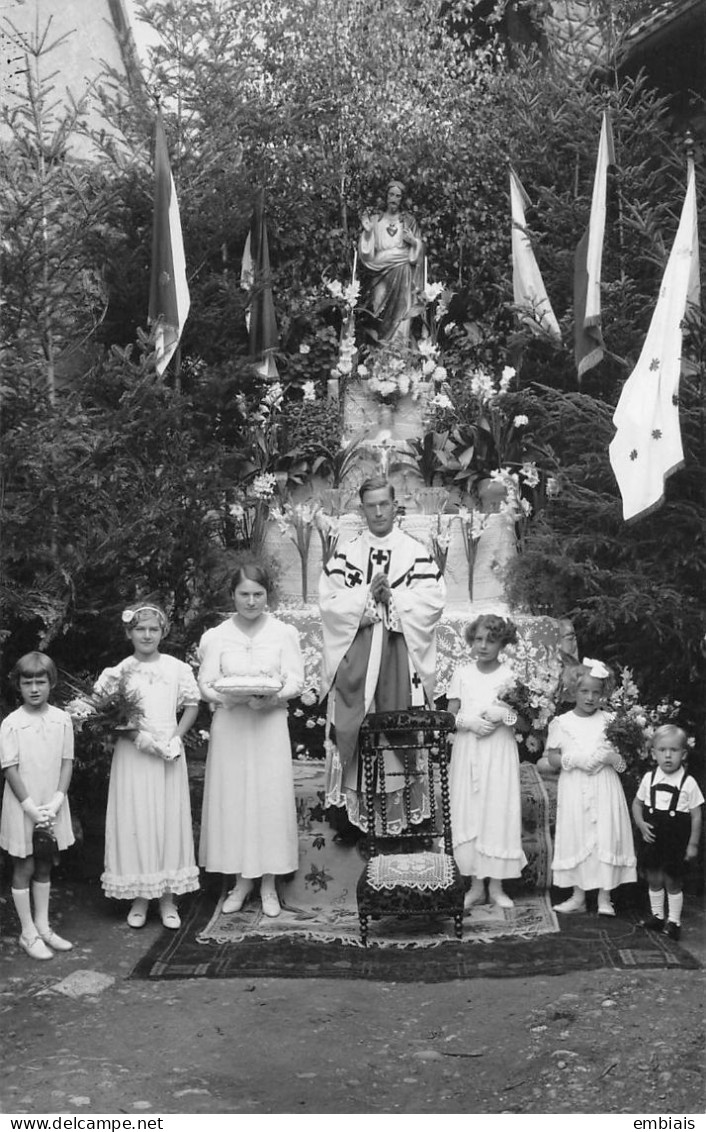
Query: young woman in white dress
x=149 y=842
x=249 y=824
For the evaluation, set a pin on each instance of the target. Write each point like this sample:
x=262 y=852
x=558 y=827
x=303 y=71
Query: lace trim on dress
x=355 y=807
x=150 y=887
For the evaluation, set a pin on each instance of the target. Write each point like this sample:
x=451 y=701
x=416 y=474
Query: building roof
x=668 y=20
x=72 y=47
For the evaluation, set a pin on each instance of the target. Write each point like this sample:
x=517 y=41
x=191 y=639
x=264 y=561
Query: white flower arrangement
x=432 y=291
x=297 y=520
x=263 y=487
x=392 y=377
x=273 y=398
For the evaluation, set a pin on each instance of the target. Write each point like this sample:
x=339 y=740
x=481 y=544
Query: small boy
x=667 y=812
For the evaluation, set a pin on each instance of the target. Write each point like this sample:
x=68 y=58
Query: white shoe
x=35 y=947
x=236 y=897
x=475 y=895
x=573 y=904
x=168 y=914
x=270 y=903
x=55 y=941
x=499 y=897
x=605 y=908
x=137 y=916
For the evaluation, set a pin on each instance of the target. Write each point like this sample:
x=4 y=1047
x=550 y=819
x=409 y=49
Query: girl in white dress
x=593 y=847
x=36 y=753
x=249 y=824
x=484 y=783
x=149 y=844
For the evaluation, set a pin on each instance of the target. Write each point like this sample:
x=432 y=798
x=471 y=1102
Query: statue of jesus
x=391 y=248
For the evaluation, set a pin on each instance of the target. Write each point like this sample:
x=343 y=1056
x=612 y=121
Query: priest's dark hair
x=374 y=483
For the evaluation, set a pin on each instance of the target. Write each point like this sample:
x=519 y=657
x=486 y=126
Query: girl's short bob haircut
x=34 y=664
x=498 y=628
x=251 y=572
x=575 y=675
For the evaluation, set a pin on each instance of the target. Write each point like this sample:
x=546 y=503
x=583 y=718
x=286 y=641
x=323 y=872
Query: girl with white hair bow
x=593 y=847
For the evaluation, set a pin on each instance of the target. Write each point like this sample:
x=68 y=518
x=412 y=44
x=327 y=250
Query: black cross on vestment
x=378 y=558
x=416 y=682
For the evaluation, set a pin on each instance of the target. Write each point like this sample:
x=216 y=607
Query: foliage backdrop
x=114 y=484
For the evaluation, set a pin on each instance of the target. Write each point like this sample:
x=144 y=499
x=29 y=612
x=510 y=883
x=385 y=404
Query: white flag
x=169 y=291
x=647 y=446
x=528 y=288
x=588 y=339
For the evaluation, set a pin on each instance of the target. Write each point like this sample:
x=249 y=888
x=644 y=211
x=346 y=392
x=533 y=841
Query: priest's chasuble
x=388 y=662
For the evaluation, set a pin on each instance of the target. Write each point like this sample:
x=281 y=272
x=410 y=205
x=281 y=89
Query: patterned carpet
x=317 y=934
x=584 y=943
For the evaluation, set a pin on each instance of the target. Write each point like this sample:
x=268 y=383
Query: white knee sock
x=675 y=903
x=40 y=896
x=657 y=902
x=23 y=905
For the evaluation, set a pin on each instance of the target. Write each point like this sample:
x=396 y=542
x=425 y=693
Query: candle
x=355 y=263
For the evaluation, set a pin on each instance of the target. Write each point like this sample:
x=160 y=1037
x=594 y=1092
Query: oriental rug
x=584 y=943
x=319 y=901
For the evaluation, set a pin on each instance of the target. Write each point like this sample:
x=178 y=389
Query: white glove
x=475 y=723
x=38 y=814
x=497 y=713
x=56 y=803
x=606 y=755
x=567 y=762
x=174 y=749
x=149 y=745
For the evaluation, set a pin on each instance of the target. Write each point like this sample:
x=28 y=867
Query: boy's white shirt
x=689 y=798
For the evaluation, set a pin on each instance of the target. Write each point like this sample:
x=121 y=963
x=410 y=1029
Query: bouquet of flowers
x=632 y=724
x=531 y=694
x=531 y=705
x=98 y=715
x=629 y=727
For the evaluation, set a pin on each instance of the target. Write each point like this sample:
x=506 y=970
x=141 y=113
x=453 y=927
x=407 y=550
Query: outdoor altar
x=465 y=484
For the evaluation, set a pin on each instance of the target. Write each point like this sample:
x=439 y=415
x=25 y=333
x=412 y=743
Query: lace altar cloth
x=427 y=871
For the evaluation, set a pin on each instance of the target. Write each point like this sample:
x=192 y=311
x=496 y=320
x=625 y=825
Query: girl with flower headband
x=149 y=848
x=593 y=847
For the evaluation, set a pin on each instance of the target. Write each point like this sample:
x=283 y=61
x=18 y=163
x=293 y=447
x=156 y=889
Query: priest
x=381 y=596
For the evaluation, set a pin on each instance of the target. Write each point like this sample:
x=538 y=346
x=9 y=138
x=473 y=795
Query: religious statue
x=391 y=249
